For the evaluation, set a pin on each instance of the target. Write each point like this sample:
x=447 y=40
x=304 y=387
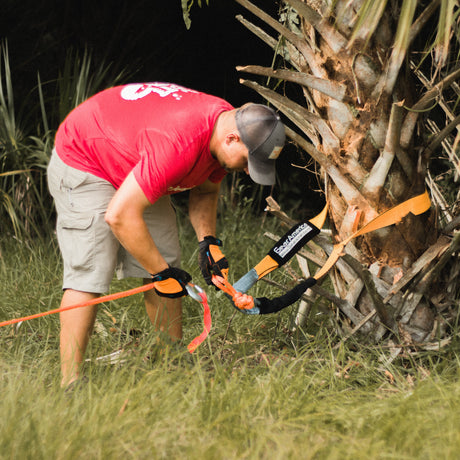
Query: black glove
x=171 y=282
x=211 y=260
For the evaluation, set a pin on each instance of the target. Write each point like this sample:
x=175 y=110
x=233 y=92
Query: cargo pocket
x=76 y=241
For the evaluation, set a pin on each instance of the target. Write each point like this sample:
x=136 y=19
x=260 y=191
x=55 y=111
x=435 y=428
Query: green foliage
x=253 y=390
x=80 y=79
x=27 y=137
x=186 y=7
x=23 y=158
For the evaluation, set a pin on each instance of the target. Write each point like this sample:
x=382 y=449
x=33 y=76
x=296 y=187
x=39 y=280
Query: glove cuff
x=163 y=275
x=207 y=240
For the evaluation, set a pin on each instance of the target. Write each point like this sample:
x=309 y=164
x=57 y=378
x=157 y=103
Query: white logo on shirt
x=138 y=91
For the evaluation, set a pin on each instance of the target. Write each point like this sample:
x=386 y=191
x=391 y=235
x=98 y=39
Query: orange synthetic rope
x=119 y=295
x=106 y=298
x=242 y=301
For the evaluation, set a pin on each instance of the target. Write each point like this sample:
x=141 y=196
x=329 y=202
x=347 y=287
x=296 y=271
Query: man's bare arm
x=125 y=217
x=203 y=208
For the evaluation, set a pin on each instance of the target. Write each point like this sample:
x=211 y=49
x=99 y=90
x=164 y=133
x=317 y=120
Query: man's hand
x=211 y=260
x=171 y=282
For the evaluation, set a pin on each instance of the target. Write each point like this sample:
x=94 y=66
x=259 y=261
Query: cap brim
x=262 y=172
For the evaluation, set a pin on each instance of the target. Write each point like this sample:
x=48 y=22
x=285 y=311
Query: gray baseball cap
x=262 y=132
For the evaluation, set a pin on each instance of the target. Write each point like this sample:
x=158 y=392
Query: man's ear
x=232 y=137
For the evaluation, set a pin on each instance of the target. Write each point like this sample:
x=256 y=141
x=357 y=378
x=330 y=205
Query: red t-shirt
x=160 y=131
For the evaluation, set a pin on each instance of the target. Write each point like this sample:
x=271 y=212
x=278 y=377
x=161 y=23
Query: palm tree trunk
x=358 y=120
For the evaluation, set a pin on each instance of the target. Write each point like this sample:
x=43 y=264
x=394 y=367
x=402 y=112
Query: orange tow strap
x=193 y=345
x=417 y=205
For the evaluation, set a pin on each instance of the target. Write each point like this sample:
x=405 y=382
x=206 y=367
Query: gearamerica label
x=293 y=239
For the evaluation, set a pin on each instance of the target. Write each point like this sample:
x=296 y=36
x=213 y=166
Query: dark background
x=149 y=39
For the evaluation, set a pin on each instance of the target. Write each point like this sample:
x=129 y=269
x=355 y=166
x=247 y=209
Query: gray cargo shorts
x=90 y=252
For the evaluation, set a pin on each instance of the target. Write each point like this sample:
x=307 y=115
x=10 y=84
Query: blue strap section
x=247 y=281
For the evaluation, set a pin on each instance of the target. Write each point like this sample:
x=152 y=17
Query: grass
x=253 y=390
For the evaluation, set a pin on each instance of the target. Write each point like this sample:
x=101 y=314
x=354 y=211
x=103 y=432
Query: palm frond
x=367 y=20
x=400 y=47
x=444 y=31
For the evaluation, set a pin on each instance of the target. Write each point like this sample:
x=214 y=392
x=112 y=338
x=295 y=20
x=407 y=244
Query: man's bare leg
x=76 y=328
x=165 y=314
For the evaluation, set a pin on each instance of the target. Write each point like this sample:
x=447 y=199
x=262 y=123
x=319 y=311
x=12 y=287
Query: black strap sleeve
x=288 y=245
x=278 y=303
